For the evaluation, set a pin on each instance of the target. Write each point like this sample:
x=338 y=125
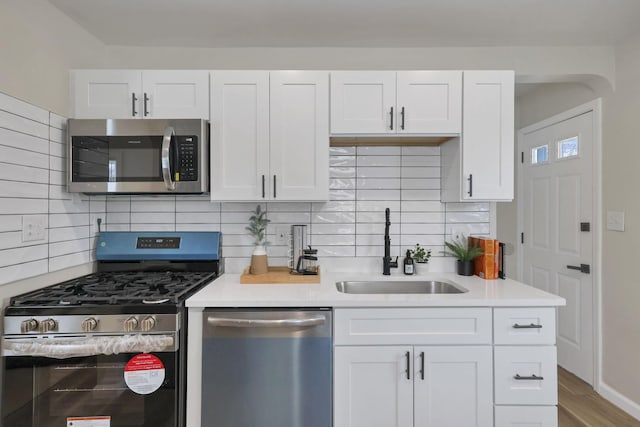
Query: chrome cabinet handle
x=266 y=323
x=422 y=365
x=146 y=105
x=470 y=179
x=391 y=114
x=408 y=370
x=169 y=133
x=531 y=377
x=402 y=114
x=529 y=326
x=134 y=99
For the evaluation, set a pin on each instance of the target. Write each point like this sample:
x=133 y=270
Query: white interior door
x=558 y=207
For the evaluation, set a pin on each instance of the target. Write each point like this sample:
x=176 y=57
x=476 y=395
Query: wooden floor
x=580 y=406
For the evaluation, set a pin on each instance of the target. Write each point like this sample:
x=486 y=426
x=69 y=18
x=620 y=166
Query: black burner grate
x=104 y=288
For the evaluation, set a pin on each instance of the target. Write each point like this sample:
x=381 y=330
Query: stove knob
x=48 y=325
x=148 y=323
x=89 y=324
x=28 y=325
x=130 y=324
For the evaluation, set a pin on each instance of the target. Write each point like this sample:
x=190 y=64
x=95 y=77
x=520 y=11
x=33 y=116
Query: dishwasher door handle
x=266 y=323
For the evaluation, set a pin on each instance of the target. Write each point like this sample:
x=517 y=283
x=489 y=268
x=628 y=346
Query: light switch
x=615 y=221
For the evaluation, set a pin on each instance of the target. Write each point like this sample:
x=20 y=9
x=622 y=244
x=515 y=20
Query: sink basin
x=399 y=287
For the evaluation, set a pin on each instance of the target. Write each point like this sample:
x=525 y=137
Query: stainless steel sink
x=399 y=287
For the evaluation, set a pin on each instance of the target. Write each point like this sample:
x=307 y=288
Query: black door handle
x=582 y=268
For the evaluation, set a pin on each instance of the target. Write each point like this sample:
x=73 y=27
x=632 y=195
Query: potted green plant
x=465 y=254
x=420 y=256
x=257 y=229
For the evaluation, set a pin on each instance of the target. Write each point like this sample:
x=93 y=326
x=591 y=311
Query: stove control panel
x=91 y=324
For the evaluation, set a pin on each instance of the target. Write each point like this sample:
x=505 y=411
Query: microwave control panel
x=187 y=158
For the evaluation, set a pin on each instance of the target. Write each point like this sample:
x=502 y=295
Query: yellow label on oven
x=177 y=178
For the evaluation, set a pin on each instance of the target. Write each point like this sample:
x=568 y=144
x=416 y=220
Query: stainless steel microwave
x=138 y=156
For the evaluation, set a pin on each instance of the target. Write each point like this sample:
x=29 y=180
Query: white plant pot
x=421 y=268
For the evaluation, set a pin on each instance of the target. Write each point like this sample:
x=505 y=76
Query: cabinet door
x=372 y=387
x=487 y=138
x=175 y=94
x=299 y=161
x=429 y=102
x=239 y=135
x=363 y=102
x=106 y=94
x=453 y=386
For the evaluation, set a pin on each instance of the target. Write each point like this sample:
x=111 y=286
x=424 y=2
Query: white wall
x=38 y=46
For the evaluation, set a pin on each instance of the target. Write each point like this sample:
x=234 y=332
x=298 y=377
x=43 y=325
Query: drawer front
x=524 y=326
x=390 y=326
x=530 y=416
x=517 y=370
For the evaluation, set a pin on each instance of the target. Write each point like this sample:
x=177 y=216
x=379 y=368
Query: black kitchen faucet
x=387 y=264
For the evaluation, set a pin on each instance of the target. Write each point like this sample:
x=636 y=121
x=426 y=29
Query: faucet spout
x=387 y=264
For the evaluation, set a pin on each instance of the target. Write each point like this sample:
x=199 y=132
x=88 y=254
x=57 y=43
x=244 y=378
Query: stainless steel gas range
x=108 y=349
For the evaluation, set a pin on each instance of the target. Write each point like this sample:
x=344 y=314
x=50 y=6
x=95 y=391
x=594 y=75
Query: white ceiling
x=355 y=23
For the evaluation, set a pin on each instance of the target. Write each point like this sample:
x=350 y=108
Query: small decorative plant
x=465 y=253
x=462 y=250
x=420 y=254
x=257 y=227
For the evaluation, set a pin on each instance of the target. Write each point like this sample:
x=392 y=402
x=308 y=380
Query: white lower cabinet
x=381 y=382
x=409 y=386
x=529 y=416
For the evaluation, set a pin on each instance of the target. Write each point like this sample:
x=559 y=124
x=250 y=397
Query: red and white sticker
x=88 y=421
x=144 y=374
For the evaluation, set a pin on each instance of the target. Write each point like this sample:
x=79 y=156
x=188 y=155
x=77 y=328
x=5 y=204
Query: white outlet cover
x=615 y=221
x=283 y=234
x=34 y=228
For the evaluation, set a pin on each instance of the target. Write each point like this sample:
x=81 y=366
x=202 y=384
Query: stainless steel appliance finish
x=138 y=156
x=399 y=287
x=267 y=368
x=69 y=349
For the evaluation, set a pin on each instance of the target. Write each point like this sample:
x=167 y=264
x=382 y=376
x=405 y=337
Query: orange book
x=486 y=265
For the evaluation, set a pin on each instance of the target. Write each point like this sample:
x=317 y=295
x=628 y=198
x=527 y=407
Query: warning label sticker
x=144 y=374
x=88 y=421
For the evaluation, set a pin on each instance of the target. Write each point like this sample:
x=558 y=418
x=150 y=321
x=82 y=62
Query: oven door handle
x=266 y=323
x=63 y=348
x=169 y=134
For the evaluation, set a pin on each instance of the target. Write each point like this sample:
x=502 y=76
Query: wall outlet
x=283 y=234
x=34 y=228
x=457 y=232
x=615 y=221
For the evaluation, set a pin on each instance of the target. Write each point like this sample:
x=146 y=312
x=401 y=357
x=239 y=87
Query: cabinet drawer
x=516 y=372
x=525 y=326
x=534 y=416
x=412 y=326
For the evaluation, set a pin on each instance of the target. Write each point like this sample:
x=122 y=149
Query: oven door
x=79 y=391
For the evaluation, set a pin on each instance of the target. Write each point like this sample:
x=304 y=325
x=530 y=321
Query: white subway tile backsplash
x=363 y=182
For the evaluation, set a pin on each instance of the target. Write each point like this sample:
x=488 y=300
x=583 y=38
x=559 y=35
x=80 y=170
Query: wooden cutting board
x=277 y=275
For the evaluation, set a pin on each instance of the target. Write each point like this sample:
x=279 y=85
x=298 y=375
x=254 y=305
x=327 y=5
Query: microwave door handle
x=169 y=133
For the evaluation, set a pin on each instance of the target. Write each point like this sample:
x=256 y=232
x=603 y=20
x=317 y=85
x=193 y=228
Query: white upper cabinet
x=389 y=102
x=125 y=94
x=239 y=135
x=269 y=135
x=479 y=165
x=299 y=118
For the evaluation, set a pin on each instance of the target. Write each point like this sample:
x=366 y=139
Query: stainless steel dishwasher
x=267 y=368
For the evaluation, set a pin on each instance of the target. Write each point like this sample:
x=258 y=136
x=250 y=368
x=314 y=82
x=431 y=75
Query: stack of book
x=488 y=265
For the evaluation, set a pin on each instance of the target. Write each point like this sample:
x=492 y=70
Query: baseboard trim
x=620 y=400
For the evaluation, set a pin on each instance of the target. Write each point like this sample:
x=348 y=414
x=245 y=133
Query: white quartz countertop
x=226 y=291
